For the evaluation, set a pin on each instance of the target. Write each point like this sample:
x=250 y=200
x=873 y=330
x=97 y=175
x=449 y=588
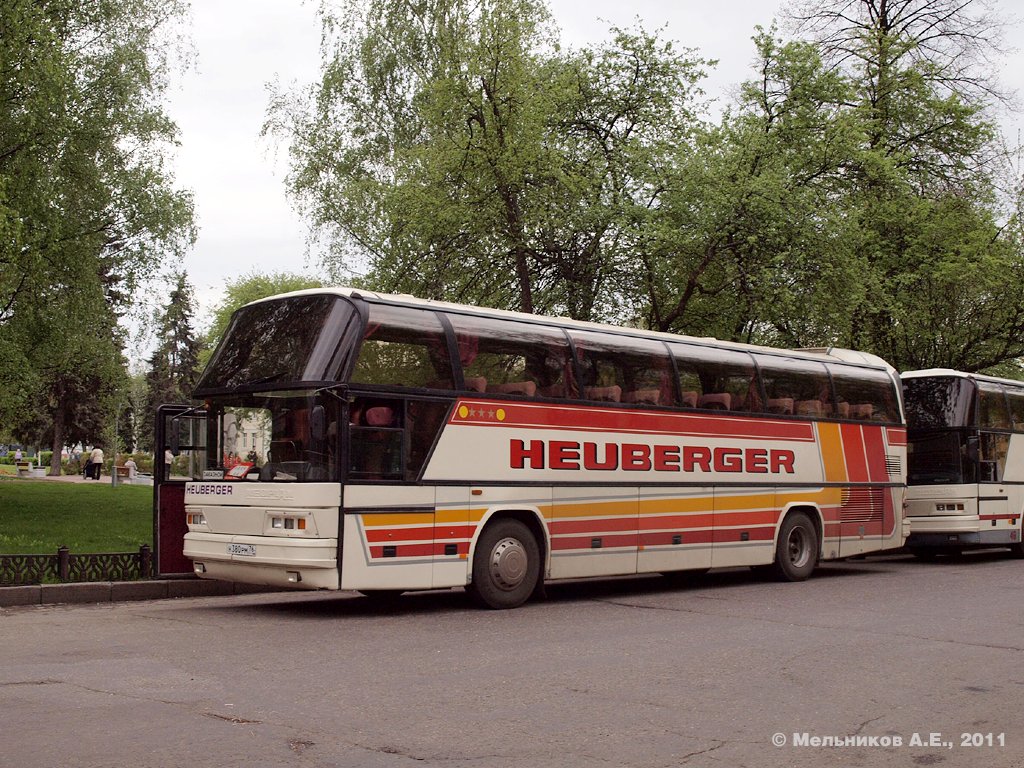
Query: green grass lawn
x=38 y=516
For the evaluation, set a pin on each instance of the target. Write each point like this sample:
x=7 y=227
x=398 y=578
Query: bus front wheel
x=796 y=554
x=506 y=565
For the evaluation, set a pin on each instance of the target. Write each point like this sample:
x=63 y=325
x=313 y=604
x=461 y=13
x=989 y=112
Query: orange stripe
x=832 y=453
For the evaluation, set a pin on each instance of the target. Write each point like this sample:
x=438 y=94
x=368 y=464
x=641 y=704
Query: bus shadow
x=354 y=605
x=959 y=558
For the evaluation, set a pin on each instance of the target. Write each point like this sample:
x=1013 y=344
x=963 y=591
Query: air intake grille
x=893 y=465
x=862 y=505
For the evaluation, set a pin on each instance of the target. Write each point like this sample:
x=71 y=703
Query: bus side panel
x=594 y=531
x=388 y=537
x=676 y=528
x=745 y=523
x=455 y=526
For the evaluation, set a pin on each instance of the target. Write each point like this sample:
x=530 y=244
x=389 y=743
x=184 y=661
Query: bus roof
x=950 y=373
x=831 y=354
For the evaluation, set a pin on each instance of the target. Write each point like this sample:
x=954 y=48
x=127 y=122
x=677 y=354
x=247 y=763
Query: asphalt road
x=635 y=672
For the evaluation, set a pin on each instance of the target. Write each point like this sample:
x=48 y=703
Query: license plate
x=247 y=550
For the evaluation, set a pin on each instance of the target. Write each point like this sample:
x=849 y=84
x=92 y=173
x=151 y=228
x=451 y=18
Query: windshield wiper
x=265 y=379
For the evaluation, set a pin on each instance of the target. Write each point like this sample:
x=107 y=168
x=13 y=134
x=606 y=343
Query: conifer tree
x=174 y=365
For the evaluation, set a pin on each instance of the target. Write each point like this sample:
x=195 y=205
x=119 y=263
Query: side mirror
x=317 y=427
x=972 y=448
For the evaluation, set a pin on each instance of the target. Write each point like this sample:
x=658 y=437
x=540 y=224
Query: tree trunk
x=58 y=441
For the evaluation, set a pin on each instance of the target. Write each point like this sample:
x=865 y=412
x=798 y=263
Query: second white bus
x=965 y=471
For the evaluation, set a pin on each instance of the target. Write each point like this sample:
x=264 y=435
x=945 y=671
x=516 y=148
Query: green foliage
x=458 y=150
x=41 y=515
x=87 y=205
x=847 y=197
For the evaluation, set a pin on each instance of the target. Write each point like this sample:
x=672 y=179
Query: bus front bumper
x=959 y=531
x=265 y=560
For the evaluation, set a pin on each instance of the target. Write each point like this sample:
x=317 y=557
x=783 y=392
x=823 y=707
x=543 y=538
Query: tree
x=78 y=371
x=464 y=156
x=748 y=240
x=87 y=205
x=921 y=188
x=174 y=365
x=836 y=205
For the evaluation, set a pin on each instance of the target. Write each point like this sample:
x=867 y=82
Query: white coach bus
x=415 y=445
x=965 y=470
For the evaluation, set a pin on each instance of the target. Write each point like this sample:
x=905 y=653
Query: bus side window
x=1016 y=401
x=376 y=438
x=404 y=347
x=992 y=407
x=717 y=379
x=863 y=394
x=795 y=387
x=506 y=357
x=994 y=422
x=624 y=369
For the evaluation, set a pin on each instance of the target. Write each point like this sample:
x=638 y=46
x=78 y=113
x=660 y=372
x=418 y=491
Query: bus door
x=180 y=428
x=452 y=534
x=991 y=450
x=993 y=500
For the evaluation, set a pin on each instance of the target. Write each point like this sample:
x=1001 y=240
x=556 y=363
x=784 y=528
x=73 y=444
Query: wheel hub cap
x=508 y=564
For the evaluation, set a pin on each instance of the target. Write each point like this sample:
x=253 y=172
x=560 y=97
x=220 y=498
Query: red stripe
x=875 y=446
x=662 y=539
x=853 y=451
x=896 y=436
x=766 y=533
x=405 y=550
x=598 y=419
x=558 y=527
x=435 y=549
x=746 y=517
x=424 y=533
x=853 y=530
x=998 y=517
x=681 y=522
x=584 y=542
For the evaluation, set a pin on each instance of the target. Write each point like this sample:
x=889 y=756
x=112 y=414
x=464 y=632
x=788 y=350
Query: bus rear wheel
x=796 y=553
x=506 y=565
x=1017 y=549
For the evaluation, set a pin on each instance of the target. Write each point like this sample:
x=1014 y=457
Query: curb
x=121 y=591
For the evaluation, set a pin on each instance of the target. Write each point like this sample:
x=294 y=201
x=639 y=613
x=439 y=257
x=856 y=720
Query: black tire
x=796 y=553
x=506 y=565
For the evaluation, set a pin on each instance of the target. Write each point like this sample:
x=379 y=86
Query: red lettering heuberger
x=639 y=457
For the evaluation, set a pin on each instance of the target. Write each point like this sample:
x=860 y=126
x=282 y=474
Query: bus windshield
x=940 y=410
x=288 y=436
x=298 y=341
x=937 y=402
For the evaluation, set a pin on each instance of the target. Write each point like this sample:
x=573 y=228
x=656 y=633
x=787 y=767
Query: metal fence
x=64 y=566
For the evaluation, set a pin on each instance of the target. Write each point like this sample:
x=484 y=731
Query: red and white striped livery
x=384 y=443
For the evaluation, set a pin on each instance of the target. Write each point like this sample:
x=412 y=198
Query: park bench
x=122 y=472
x=24 y=468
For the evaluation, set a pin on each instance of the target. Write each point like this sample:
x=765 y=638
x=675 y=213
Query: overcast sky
x=245 y=220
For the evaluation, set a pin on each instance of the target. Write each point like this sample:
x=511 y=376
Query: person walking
x=96 y=463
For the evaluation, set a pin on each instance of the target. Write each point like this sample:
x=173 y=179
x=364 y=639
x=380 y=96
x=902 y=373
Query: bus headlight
x=288 y=523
